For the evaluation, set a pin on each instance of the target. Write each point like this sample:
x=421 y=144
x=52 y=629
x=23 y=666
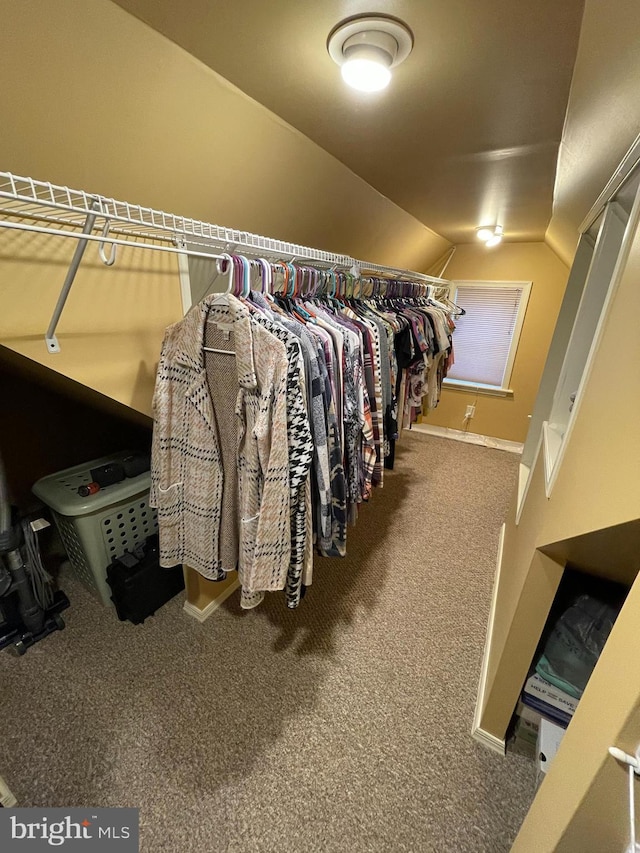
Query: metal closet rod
x=41 y=200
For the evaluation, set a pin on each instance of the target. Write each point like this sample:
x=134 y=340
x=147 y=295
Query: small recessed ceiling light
x=494 y=241
x=367 y=48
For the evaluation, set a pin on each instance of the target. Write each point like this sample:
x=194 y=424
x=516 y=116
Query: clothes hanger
x=236 y=275
x=307 y=286
x=246 y=277
x=320 y=283
x=241 y=266
x=293 y=280
x=225 y=266
x=219 y=351
x=221 y=298
x=457 y=310
x=332 y=298
x=265 y=275
x=328 y=285
x=335 y=288
x=277 y=268
x=299 y=292
x=280 y=297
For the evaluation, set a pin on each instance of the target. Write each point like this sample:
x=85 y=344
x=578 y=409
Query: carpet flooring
x=342 y=726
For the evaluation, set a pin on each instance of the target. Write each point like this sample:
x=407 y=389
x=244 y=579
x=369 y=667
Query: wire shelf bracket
x=50 y=337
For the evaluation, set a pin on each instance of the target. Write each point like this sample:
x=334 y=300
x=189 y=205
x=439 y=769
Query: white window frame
x=541 y=433
x=605 y=271
x=503 y=390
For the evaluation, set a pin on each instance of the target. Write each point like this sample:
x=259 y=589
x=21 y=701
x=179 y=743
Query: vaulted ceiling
x=466 y=134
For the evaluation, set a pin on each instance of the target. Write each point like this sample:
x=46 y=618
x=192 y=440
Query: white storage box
x=97 y=529
x=549 y=738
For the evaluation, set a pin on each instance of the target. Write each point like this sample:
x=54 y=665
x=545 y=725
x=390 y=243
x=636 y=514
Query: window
x=486 y=338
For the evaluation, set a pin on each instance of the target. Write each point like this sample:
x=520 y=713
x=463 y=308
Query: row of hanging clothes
x=277 y=407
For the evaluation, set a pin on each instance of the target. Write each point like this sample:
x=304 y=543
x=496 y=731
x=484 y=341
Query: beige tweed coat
x=189 y=470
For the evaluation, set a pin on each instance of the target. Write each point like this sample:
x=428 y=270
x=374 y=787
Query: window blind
x=484 y=336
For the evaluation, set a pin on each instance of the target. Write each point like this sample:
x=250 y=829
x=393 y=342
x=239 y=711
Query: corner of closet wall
x=507 y=417
x=156 y=138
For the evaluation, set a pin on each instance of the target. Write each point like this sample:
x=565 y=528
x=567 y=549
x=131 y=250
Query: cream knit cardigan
x=187 y=472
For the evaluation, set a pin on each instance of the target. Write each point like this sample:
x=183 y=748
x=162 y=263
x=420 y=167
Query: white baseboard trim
x=203 y=615
x=490 y=741
x=6 y=797
x=479 y=734
x=469 y=437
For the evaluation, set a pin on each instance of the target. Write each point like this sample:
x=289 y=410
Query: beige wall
x=100 y=101
x=582 y=804
x=598 y=484
x=603 y=115
x=507 y=417
x=94 y=99
x=111 y=330
x=598 y=487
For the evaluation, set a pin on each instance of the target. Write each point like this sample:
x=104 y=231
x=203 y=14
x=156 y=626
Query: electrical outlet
x=471 y=410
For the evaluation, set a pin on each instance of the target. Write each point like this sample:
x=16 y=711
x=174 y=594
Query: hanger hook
x=228 y=260
x=111 y=259
x=280 y=266
x=291 y=280
x=239 y=277
x=246 y=276
x=305 y=284
x=286 y=275
x=312 y=286
x=266 y=275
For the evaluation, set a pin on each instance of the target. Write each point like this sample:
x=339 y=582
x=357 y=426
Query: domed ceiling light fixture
x=490 y=235
x=367 y=48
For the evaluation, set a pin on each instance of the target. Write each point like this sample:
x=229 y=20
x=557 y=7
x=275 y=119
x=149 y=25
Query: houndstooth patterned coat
x=188 y=474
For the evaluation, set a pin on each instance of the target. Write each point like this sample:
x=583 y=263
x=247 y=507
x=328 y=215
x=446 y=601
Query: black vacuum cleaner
x=29 y=606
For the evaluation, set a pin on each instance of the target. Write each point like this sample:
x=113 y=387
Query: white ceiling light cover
x=491 y=235
x=484 y=233
x=367 y=48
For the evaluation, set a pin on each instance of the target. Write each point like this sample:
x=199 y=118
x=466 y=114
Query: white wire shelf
x=42 y=207
x=25 y=198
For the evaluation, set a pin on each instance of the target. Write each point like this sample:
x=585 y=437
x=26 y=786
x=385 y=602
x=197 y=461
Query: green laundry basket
x=97 y=529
